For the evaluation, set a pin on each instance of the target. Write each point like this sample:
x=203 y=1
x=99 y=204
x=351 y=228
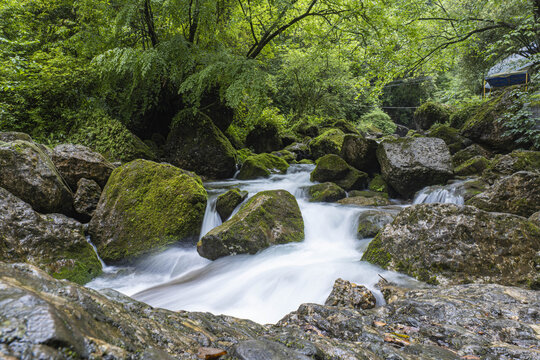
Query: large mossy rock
x=197 y=145
x=54 y=242
x=430 y=113
x=360 y=153
x=445 y=243
x=365 y=198
x=262 y=165
x=268 y=218
x=485 y=128
x=326 y=192
x=410 y=164
x=329 y=142
x=345 y=126
x=517 y=160
x=144 y=207
x=28 y=173
x=75 y=162
x=473 y=166
x=516 y=194
x=332 y=168
x=468 y=153
x=227 y=202
x=450 y=136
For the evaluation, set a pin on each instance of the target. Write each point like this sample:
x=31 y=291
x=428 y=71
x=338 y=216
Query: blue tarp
x=502 y=80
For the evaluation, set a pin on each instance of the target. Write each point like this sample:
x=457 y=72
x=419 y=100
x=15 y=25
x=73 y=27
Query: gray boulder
x=10 y=136
x=86 y=198
x=268 y=218
x=445 y=243
x=75 y=162
x=360 y=153
x=54 y=242
x=410 y=164
x=28 y=173
x=372 y=221
x=332 y=168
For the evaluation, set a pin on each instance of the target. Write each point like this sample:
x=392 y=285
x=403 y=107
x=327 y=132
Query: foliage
x=519 y=120
x=430 y=113
x=378 y=121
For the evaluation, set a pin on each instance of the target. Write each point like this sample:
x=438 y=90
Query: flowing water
x=448 y=194
x=266 y=286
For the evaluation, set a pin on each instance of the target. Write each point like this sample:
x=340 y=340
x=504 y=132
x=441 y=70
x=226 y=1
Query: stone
x=304 y=127
x=75 y=162
x=473 y=166
x=326 y=192
x=53 y=242
x=286 y=155
x=28 y=173
x=266 y=350
x=329 y=142
x=430 y=113
x=468 y=153
x=535 y=218
x=401 y=130
x=367 y=199
x=450 y=136
x=345 y=126
x=378 y=184
x=262 y=165
x=264 y=138
x=350 y=295
x=300 y=150
x=360 y=153
x=410 y=164
x=227 y=202
x=268 y=218
x=515 y=194
x=450 y=244
x=372 y=221
x=144 y=207
x=197 y=145
x=210 y=353
x=332 y=168
x=508 y=164
x=86 y=198
x=10 y=136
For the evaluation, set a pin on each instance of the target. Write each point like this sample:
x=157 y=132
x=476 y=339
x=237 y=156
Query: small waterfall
x=211 y=216
x=448 y=194
x=88 y=240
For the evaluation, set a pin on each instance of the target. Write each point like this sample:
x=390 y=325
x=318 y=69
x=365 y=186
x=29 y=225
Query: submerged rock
x=332 y=168
x=227 y=202
x=516 y=194
x=268 y=218
x=75 y=162
x=86 y=198
x=262 y=165
x=196 y=144
x=28 y=173
x=360 y=153
x=445 y=243
x=54 y=242
x=350 y=295
x=329 y=142
x=410 y=164
x=144 y=207
x=326 y=192
x=372 y=221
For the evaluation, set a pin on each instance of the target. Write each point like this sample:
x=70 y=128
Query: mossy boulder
x=410 y=164
x=197 y=145
x=243 y=154
x=360 y=153
x=144 y=207
x=468 y=153
x=430 y=113
x=450 y=136
x=54 y=242
x=486 y=126
x=345 y=126
x=378 y=184
x=75 y=162
x=329 y=142
x=286 y=155
x=304 y=127
x=450 y=244
x=300 y=150
x=516 y=194
x=264 y=138
x=474 y=166
x=227 y=202
x=535 y=218
x=268 y=218
x=334 y=169
x=262 y=165
x=28 y=173
x=517 y=160
x=326 y=192
x=459 y=117
x=365 y=198
x=372 y=221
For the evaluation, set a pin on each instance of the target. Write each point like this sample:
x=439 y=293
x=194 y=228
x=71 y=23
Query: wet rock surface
x=516 y=194
x=28 y=173
x=372 y=221
x=227 y=202
x=350 y=295
x=75 y=162
x=445 y=243
x=86 y=198
x=262 y=165
x=53 y=242
x=360 y=153
x=144 y=207
x=326 y=192
x=410 y=164
x=268 y=218
x=332 y=168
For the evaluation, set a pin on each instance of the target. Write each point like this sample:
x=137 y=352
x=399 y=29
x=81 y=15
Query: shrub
x=377 y=121
x=431 y=113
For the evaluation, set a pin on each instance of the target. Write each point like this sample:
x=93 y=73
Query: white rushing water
x=448 y=194
x=262 y=287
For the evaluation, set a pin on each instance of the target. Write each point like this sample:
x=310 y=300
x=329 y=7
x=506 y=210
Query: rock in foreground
x=445 y=243
x=350 y=295
x=144 y=207
x=268 y=218
x=54 y=242
x=410 y=164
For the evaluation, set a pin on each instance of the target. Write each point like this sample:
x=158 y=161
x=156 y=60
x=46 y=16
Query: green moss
x=474 y=166
x=378 y=184
x=285 y=155
x=446 y=133
x=326 y=192
x=376 y=254
x=430 y=113
x=81 y=265
x=243 y=154
x=329 y=142
x=262 y=165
